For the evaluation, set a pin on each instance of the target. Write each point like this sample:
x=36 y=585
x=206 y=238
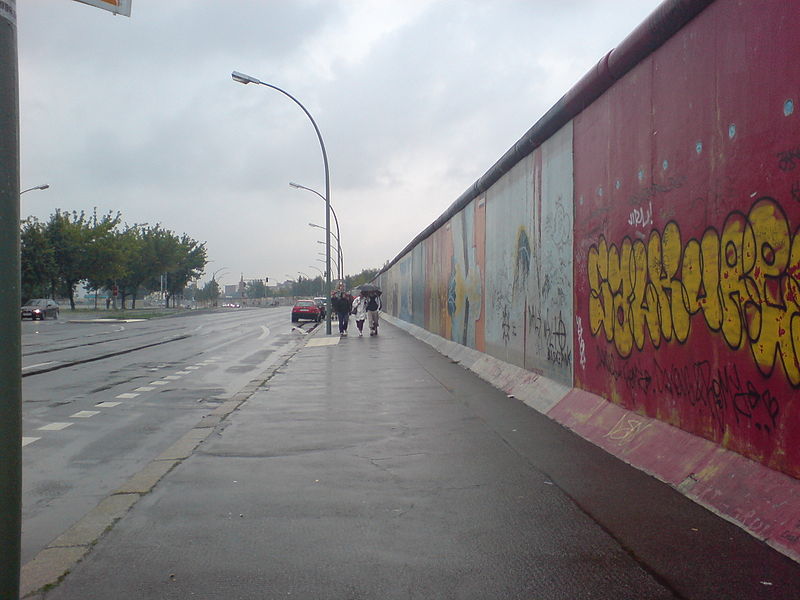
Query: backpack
x=372 y=304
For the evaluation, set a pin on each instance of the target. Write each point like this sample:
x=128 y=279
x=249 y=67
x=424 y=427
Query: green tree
x=256 y=289
x=189 y=258
x=39 y=270
x=75 y=238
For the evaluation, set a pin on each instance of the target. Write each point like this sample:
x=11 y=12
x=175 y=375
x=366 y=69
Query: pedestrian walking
x=373 y=306
x=360 y=312
x=342 y=302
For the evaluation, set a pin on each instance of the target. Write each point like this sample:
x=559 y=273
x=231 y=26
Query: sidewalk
x=376 y=468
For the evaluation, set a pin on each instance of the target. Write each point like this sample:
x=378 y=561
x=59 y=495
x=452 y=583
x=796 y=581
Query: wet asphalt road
x=378 y=469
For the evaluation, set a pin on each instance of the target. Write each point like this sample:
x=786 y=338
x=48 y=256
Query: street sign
x=118 y=7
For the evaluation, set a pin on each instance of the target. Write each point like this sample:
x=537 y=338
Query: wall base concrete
x=761 y=501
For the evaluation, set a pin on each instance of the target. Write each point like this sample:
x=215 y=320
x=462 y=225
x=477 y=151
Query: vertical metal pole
x=10 y=329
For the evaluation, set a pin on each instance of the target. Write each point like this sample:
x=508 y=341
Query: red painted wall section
x=687 y=233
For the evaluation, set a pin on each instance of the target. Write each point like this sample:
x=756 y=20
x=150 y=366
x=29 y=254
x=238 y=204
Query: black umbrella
x=369 y=288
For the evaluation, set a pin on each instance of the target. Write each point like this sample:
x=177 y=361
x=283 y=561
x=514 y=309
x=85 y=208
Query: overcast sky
x=415 y=101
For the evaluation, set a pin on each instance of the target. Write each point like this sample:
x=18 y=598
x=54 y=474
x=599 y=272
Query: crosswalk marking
x=127 y=395
x=159 y=382
x=84 y=414
x=172 y=377
x=28 y=440
x=54 y=426
x=182 y=372
x=193 y=368
x=108 y=404
x=145 y=388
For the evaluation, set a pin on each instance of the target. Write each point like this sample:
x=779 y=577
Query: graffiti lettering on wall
x=552 y=331
x=581 y=342
x=650 y=192
x=641 y=217
x=745 y=280
x=787 y=157
x=721 y=394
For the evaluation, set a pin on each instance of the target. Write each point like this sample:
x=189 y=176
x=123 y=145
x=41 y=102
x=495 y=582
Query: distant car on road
x=306 y=310
x=40 y=308
x=321 y=302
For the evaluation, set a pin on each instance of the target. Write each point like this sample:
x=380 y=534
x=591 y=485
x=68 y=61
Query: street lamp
x=321 y=278
x=339 y=262
x=245 y=79
x=339 y=257
x=44 y=186
x=297 y=186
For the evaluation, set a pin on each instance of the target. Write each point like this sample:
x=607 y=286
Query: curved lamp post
x=245 y=79
x=340 y=261
x=44 y=186
x=321 y=278
x=297 y=186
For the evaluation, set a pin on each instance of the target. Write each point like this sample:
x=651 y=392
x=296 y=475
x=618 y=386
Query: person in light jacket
x=360 y=312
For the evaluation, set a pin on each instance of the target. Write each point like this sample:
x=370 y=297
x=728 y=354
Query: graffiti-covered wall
x=646 y=246
x=688 y=255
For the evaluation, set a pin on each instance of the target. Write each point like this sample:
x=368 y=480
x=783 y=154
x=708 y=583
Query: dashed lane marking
x=108 y=404
x=28 y=440
x=84 y=414
x=54 y=426
x=145 y=388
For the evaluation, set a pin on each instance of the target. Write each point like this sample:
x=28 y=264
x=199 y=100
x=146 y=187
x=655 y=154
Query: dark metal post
x=10 y=329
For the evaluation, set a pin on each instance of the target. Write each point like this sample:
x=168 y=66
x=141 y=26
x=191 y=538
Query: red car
x=306 y=310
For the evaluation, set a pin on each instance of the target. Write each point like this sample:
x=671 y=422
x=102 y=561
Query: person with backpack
x=373 y=306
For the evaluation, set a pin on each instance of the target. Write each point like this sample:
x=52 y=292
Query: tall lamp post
x=297 y=186
x=245 y=79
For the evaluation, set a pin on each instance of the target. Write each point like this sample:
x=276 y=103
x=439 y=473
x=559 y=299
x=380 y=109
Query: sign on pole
x=118 y=7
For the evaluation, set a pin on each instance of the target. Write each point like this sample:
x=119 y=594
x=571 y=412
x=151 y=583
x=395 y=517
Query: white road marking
x=51 y=362
x=108 y=404
x=159 y=382
x=266 y=332
x=28 y=440
x=182 y=372
x=55 y=426
x=144 y=388
x=126 y=395
x=331 y=341
x=172 y=377
x=84 y=414
x=193 y=368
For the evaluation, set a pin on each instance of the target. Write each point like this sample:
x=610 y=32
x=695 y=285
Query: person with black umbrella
x=373 y=306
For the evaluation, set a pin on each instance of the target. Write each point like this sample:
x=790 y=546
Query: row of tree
x=74 y=247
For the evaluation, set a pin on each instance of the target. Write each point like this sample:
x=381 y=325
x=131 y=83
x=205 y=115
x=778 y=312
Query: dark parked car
x=39 y=308
x=306 y=310
x=321 y=305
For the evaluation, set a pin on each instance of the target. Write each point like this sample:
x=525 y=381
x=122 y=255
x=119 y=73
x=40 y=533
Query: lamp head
x=242 y=78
